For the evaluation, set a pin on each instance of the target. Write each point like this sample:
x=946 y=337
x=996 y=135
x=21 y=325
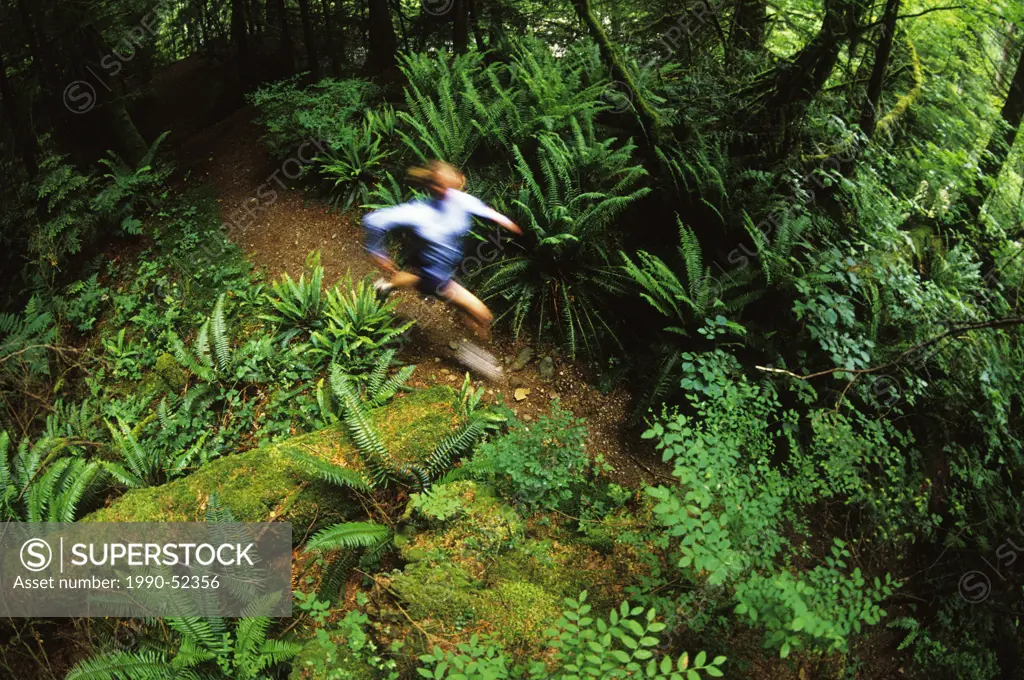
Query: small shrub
x=537 y=465
x=323 y=112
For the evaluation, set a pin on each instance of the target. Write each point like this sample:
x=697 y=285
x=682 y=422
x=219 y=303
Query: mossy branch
x=904 y=103
x=649 y=118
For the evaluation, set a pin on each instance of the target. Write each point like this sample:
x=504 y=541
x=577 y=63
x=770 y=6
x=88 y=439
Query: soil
x=278 y=230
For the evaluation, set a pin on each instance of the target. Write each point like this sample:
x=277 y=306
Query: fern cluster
x=562 y=276
x=38 y=485
x=208 y=648
x=355 y=396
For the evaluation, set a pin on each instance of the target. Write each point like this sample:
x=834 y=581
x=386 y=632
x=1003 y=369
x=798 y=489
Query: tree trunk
x=125 y=137
x=332 y=45
x=648 y=117
x=39 y=66
x=883 y=54
x=285 y=48
x=495 y=26
x=204 y=31
x=309 y=37
x=748 y=26
x=460 y=27
x=474 y=20
x=795 y=83
x=240 y=40
x=24 y=138
x=383 y=43
x=402 y=25
x=255 y=20
x=999 y=145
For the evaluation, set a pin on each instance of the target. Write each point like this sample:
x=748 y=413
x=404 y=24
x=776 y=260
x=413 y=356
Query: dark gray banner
x=145 y=569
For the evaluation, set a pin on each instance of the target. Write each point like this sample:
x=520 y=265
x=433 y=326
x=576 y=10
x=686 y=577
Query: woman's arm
x=378 y=223
x=474 y=206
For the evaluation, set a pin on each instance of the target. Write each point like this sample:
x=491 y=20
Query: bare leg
x=477 y=316
x=404 y=280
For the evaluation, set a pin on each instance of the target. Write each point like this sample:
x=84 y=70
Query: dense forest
x=761 y=407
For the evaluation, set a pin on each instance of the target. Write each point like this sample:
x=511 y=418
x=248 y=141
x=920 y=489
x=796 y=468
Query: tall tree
x=460 y=26
x=309 y=37
x=999 y=145
x=335 y=48
x=285 y=48
x=240 y=38
x=40 y=66
x=795 y=82
x=121 y=129
x=749 y=23
x=24 y=139
x=474 y=20
x=383 y=43
x=883 y=54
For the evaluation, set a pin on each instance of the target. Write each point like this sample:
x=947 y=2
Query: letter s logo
x=36 y=554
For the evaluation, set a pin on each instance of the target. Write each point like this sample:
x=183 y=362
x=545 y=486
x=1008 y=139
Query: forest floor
x=277 y=235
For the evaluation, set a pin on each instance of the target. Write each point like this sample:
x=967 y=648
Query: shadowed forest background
x=761 y=414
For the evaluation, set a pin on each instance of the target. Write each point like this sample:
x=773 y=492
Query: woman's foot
x=479 y=360
x=383 y=288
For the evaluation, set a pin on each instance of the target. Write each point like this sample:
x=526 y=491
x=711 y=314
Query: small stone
x=522 y=393
x=515 y=381
x=453 y=344
x=523 y=358
x=553 y=394
x=527 y=418
x=546 y=368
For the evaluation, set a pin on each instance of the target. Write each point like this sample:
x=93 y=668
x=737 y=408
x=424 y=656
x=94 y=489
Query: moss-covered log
x=266 y=484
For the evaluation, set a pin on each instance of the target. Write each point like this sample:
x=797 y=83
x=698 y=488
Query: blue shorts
x=431 y=284
x=435 y=266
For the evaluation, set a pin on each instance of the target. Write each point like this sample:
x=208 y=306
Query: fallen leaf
x=522 y=393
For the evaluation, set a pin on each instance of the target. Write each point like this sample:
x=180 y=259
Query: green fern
x=198 y=649
x=212 y=358
x=40 y=486
x=439 y=121
x=454 y=445
x=360 y=428
x=127 y=190
x=141 y=466
x=348 y=536
x=563 y=275
x=358 y=325
x=679 y=300
x=353 y=166
x=24 y=339
x=334 y=474
x=298 y=305
x=142 y=665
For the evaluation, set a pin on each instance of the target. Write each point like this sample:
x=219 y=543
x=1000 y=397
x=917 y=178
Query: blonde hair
x=437 y=173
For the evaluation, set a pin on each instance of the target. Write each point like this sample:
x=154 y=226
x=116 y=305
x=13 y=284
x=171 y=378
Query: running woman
x=439 y=224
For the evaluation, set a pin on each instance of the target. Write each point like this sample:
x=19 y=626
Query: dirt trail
x=278 y=233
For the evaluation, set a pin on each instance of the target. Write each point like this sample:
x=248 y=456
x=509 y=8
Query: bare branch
x=995 y=323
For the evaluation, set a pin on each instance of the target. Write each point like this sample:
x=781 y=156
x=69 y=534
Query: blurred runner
x=438 y=224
